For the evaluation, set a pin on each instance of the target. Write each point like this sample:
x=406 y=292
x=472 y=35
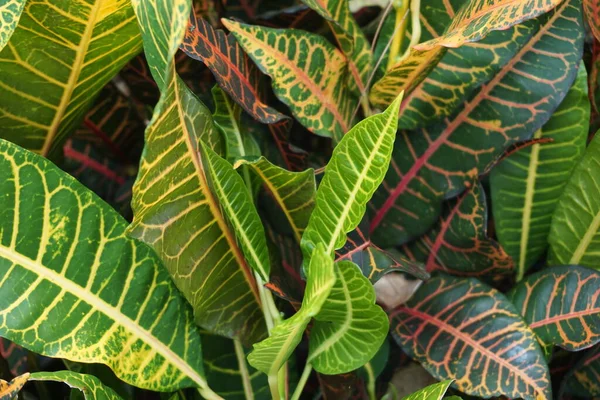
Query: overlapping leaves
x=10 y=12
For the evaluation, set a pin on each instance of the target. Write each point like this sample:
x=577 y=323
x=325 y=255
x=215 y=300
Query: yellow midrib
x=65 y=99
x=586 y=240
x=527 y=206
x=98 y=304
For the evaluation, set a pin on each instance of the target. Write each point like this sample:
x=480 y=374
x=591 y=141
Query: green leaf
x=231 y=67
x=9 y=390
x=90 y=386
x=269 y=355
x=236 y=202
x=437 y=162
x=64 y=257
x=294 y=192
x=431 y=392
x=174 y=210
x=583 y=379
x=350 y=327
x=458 y=243
x=357 y=167
x=349 y=37
x=561 y=305
x=477 y=18
x=59 y=57
x=318 y=97
x=10 y=12
x=574 y=230
x=527 y=185
x=462 y=329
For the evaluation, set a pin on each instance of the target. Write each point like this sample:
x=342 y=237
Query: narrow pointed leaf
x=9 y=390
x=269 y=355
x=583 y=381
x=561 y=305
x=458 y=243
x=477 y=18
x=238 y=207
x=90 y=386
x=227 y=120
x=527 y=185
x=574 y=231
x=294 y=192
x=10 y=12
x=591 y=9
x=437 y=162
x=230 y=66
x=431 y=392
x=64 y=257
x=294 y=59
x=350 y=39
x=357 y=167
x=58 y=58
x=174 y=210
x=452 y=325
x=350 y=327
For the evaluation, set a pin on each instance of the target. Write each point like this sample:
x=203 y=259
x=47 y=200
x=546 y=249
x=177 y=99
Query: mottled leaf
x=458 y=243
x=350 y=327
x=574 y=232
x=59 y=57
x=9 y=390
x=230 y=66
x=10 y=12
x=462 y=329
x=64 y=257
x=437 y=162
x=583 y=380
x=90 y=386
x=527 y=185
x=317 y=96
x=477 y=18
x=561 y=305
x=357 y=167
x=431 y=392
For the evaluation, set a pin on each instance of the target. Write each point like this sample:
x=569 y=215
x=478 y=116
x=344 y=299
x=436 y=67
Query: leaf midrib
x=105 y=308
x=585 y=240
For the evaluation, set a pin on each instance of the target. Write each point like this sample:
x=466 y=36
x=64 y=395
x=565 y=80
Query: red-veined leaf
x=15 y=356
x=562 y=306
x=462 y=329
x=438 y=161
x=231 y=67
x=591 y=8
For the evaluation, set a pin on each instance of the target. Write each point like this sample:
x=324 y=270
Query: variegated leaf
x=90 y=386
x=9 y=390
x=10 y=13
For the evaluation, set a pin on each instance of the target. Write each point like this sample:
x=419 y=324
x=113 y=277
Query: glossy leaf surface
x=527 y=185
x=431 y=392
x=357 y=167
x=318 y=97
x=230 y=66
x=583 y=379
x=462 y=329
x=574 y=232
x=90 y=386
x=436 y=162
x=561 y=305
x=59 y=57
x=64 y=257
x=350 y=327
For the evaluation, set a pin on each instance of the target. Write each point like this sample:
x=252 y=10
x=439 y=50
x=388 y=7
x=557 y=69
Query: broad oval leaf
x=462 y=329
x=10 y=13
x=435 y=163
x=582 y=381
x=58 y=58
x=236 y=202
x=269 y=355
x=527 y=185
x=90 y=386
x=431 y=392
x=64 y=257
x=230 y=66
x=357 y=167
x=294 y=192
x=458 y=242
x=174 y=210
x=294 y=59
x=574 y=231
x=561 y=305
x=477 y=18
x=9 y=390
x=350 y=327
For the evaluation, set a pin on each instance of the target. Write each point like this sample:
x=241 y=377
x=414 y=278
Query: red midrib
x=564 y=317
x=93 y=164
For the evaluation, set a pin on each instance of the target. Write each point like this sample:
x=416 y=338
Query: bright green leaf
x=431 y=392
x=90 y=386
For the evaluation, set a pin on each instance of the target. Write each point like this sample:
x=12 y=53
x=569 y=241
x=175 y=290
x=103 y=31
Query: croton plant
x=299 y=199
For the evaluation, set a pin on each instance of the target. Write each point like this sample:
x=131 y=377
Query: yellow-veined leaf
x=90 y=387
x=9 y=390
x=10 y=13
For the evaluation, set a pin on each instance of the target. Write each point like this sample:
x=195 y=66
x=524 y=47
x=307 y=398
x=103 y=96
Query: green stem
x=302 y=381
x=274 y=386
x=371 y=381
x=399 y=35
x=415 y=35
x=241 y=357
x=208 y=394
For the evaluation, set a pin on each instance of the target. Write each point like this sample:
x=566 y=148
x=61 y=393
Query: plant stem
x=399 y=34
x=364 y=103
x=371 y=381
x=208 y=394
x=302 y=381
x=274 y=386
x=415 y=34
x=241 y=357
